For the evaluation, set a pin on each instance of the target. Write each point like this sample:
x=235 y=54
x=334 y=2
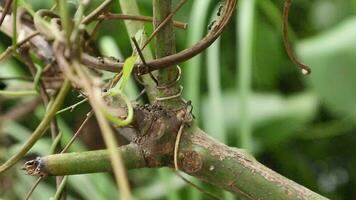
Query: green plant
x=151 y=129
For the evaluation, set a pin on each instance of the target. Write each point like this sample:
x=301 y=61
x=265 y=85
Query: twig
x=60 y=188
x=34 y=186
x=77 y=132
x=305 y=69
x=139 y=51
x=5 y=11
x=101 y=8
x=17 y=93
x=173 y=59
x=72 y=107
x=111 y=16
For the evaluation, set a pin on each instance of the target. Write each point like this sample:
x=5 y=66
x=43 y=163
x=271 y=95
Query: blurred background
x=245 y=91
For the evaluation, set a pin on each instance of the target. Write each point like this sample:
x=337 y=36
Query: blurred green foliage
x=303 y=127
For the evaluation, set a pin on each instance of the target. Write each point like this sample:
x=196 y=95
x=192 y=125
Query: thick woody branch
x=200 y=156
x=235 y=170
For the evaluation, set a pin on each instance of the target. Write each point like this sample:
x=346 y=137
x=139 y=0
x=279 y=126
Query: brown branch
x=112 y=16
x=5 y=11
x=44 y=51
x=101 y=8
x=170 y=60
x=305 y=69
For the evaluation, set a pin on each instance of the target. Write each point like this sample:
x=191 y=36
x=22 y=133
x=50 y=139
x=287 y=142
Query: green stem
x=39 y=131
x=165 y=46
x=71 y=107
x=245 y=41
x=236 y=170
x=18 y=93
x=91 y=161
x=60 y=189
x=275 y=16
x=65 y=18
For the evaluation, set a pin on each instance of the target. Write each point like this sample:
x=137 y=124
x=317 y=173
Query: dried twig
x=112 y=16
x=305 y=69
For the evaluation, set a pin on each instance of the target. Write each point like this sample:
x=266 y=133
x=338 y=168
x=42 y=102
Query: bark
x=235 y=170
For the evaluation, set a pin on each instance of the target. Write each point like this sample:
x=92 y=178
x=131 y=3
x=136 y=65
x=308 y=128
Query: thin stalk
x=6 y=9
x=39 y=131
x=94 y=14
x=111 y=16
x=245 y=20
x=60 y=188
x=274 y=15
x=76 y=134
x=65 y=18
x=56 y=141
x=23 y=93
x=72 y=106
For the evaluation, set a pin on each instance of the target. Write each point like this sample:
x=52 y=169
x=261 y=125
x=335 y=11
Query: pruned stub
x=35 y=167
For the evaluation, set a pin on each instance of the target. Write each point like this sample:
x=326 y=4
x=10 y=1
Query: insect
x=210 y=26
x=221 y=8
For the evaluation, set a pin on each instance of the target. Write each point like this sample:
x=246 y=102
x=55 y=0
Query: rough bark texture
x=235 y=170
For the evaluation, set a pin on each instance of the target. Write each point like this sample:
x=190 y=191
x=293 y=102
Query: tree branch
x=84 y=162
x=235 y=170
x=215 y=163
